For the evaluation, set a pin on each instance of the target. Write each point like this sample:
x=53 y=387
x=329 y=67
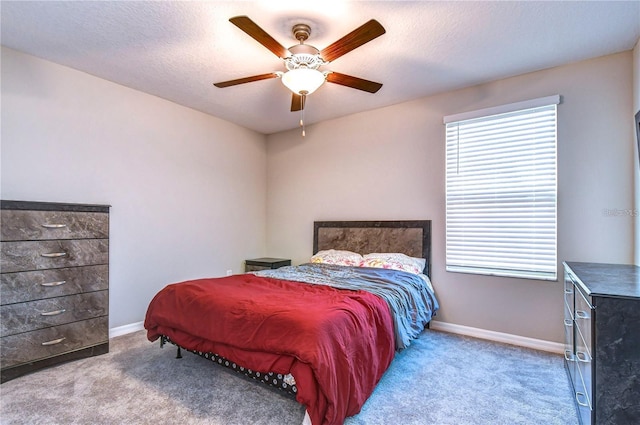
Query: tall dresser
x=54 y=284
x=602 y=336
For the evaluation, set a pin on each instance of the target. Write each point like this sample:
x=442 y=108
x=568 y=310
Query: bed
x=324 y=331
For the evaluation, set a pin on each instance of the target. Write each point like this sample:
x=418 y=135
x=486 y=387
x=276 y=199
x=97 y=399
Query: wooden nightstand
x=265 y=263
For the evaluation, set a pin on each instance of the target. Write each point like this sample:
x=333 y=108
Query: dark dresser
x=602 y=337
x=265 y=263
x=54 y=284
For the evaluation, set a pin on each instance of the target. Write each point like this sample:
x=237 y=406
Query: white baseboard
x=126 y=329
x=522 y=341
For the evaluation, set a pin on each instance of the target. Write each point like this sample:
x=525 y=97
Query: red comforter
x=336 y=343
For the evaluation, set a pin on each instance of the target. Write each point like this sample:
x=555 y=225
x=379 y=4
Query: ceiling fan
x=303 y=61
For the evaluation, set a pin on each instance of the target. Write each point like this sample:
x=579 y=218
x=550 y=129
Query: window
x=501 y=190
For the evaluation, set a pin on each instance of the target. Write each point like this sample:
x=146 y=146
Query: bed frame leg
x=178 y=354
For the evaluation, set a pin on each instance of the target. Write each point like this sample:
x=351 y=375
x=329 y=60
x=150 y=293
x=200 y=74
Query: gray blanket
x=410 y=297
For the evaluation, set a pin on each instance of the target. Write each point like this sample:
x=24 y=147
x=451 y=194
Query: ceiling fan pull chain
x=303 y=99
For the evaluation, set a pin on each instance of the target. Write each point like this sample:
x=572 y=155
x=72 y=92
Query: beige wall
x=187 y=190
x=389 y=164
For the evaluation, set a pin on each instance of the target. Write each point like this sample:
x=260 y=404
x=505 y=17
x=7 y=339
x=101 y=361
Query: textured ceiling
x=176 y=50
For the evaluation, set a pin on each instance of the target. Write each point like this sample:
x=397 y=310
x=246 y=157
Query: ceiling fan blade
x=260 y=35
x=297 y=102
x=354 y=39
x=353 y=82
x=246 y=80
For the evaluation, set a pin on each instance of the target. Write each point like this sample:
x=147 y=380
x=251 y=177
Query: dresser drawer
x=583 y=318
x=35 y=285
x=254 y=268
x=32 y=315
x=38 y=255
x=43 y=343
x=569 y=289
x=21 y=225
x=582 y=390
x=569 y=356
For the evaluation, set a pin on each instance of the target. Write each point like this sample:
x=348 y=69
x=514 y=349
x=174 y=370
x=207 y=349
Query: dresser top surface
x=608 y=280
x=268 y=260
x=51 y=206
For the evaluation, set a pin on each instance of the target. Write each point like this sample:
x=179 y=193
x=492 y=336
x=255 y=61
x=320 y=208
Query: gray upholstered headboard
x=412 y=238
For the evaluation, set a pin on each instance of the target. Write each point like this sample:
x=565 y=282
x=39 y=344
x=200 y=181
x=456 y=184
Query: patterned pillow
x=337 y=257
x=395 y=261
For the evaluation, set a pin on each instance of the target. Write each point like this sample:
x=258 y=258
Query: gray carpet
x=440 y=379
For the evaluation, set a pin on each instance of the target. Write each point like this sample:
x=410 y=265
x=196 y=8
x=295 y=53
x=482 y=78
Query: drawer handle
x=54 y=341
x=53 y=313
x=61 y=282
x=568 y=323
x=580 y=314
x=54 y=254
x=582 y=403
x=582 y=356
x=54 y=226
x=568 y=356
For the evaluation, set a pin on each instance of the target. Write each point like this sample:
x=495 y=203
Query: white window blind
x=501 y=189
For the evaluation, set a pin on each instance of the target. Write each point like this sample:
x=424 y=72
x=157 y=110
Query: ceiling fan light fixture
x=303 y=81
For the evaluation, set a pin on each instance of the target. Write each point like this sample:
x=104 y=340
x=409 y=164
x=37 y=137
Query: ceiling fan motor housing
x=304 y=56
